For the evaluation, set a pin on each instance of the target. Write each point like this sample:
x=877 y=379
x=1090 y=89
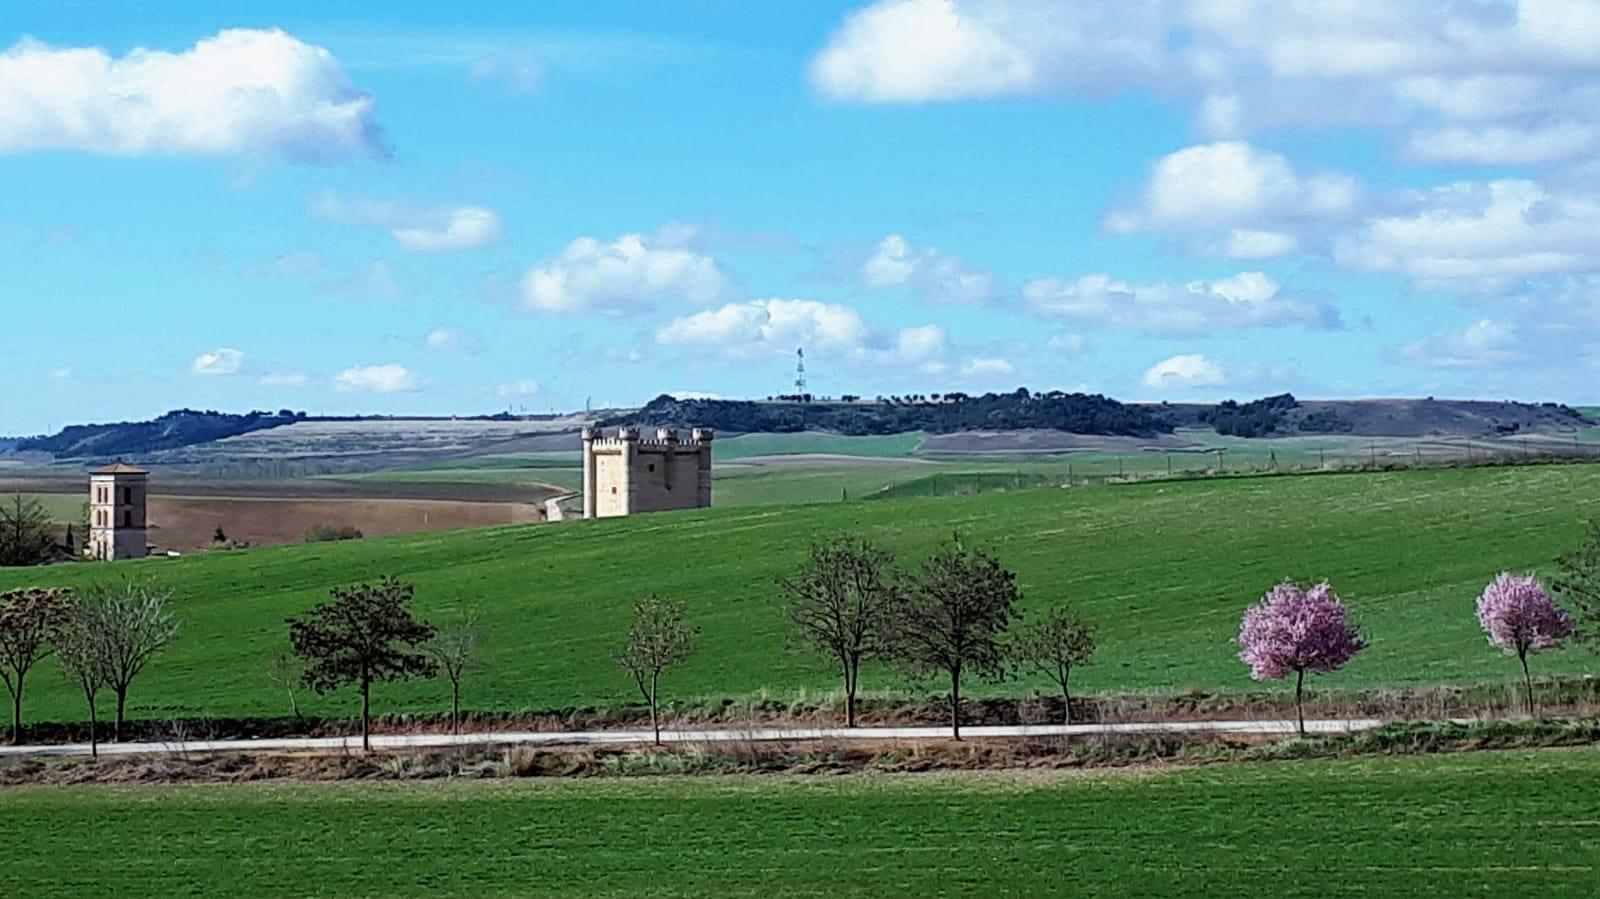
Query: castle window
x=127 y=519
x=652 y=466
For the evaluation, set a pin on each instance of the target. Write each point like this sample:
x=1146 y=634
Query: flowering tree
x=1519 y=617
x=1296 y=629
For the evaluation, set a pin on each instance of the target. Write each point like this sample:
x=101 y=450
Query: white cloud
x=222 y=361
x=427 y=230
x=1256 y=198
x=1481 y=343
x=390 y=378
x=441 y=339
x=987 y=367
x=1244 y=300
x=763 y=326
x=522 y=387
x=243 y=91
x=1067 y=344
x=63 y=373
x=1457 y=82
x=935 y=276
x=1480 y=236
x=288 y=379
x=632 y=272
x=922 y=50
x=1185 y=371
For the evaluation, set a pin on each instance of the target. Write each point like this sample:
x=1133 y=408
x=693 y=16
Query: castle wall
x=118 y=525
x=625 y=475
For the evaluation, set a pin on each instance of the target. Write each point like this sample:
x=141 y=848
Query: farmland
x=1163 y=568
x=1507 y=823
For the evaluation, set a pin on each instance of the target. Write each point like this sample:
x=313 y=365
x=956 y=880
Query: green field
x=1484 y=824
x=1164 y=569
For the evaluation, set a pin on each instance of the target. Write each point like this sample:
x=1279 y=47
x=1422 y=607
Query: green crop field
x=1485 y=824
x=1164 y=569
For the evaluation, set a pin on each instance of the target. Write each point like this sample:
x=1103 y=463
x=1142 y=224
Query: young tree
x=365 y=634
x=82 y=658
x=29 y=622
x=454 y=649
x=1296 y=629
x=133 y=624
x=1578 y=584
x=285 y=670
x=1520 y=618
x=657 y=640
x=838 y=603
x=952 y=617
x=1055 y=644
x=25 y=535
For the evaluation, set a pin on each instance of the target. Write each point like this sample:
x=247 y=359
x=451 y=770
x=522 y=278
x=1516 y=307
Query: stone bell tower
x=118 y=518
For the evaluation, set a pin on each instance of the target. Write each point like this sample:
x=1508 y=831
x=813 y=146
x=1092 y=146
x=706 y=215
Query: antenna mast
x=800 y=374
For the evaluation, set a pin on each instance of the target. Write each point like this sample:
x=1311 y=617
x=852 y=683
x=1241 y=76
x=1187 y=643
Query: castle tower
x=628 y=474
x=118 y=517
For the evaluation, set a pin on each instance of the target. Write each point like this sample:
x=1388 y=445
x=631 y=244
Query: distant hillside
x=1284 y=415
x=1076 y=412
x=182 y=427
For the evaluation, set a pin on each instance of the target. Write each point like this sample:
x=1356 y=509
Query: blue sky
x=408 y=207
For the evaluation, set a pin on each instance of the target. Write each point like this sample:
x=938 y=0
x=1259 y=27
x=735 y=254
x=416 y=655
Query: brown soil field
x=187 y=523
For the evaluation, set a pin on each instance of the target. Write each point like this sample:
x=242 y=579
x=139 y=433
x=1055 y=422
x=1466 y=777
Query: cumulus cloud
x=1479 y=236
x=987 y=367
x=634 y=271
x=1456 y=82
x=390 y=378
x=442 y=339
x=1185 y=371
x=419 y=228
x=935 y=276
x=1245 y=300
x=242 y=91
x=218 y=362
x=1484 y=342
x=1253 y=198
x=922 y=50
x=776 y=327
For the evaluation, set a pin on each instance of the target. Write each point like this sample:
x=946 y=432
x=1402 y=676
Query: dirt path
x=624 y=737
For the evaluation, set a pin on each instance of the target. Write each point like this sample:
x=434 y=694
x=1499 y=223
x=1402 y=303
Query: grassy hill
x=1163 y=568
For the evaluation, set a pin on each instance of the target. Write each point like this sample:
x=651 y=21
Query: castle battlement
x=629 y=473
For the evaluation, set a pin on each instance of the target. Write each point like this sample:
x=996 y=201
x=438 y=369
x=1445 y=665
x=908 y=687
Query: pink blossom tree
x=1297 y=629
x=1520 y=617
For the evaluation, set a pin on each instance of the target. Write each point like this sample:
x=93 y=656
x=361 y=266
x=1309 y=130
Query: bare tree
x=285 y=670
x=82 y=658
x=29 y=621
x=657 y=640
x=838 y=602
x=952 y=618
x=366 y=633
x=454 y=648
x=1055 y=644
x=133 y=625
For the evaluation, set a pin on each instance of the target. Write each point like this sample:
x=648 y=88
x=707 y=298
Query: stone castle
x=625 y=475
x=118 y=513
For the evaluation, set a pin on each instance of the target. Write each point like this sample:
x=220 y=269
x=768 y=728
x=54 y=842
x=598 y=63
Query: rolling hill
x=1163 y=568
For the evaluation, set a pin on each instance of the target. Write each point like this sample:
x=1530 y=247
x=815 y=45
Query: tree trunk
x=455 y=708
x=94 y=737
x=16 y=714
x=655 y=720
x=1527 y=679
x=851 y=674
x=1299 y=710
x=1066 y=703
x=122 y=703
x=294 y=706
x=366 y=715
x=955 y=703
